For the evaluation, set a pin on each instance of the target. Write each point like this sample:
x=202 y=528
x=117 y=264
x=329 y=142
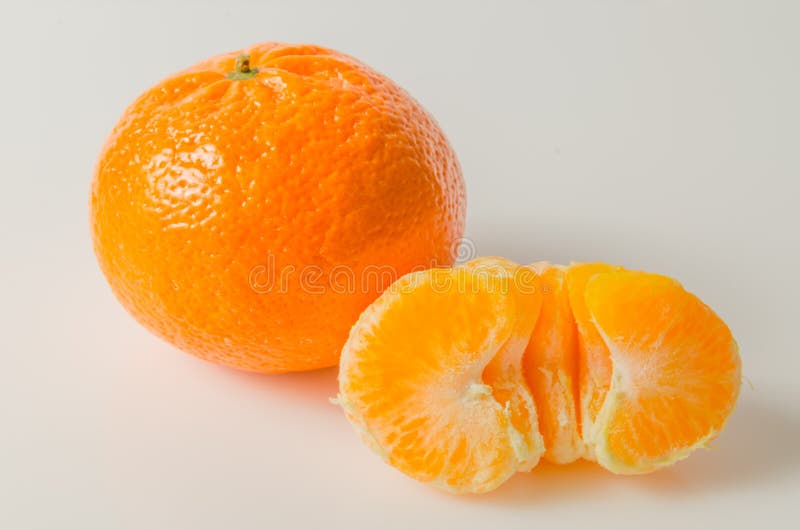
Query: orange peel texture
x=247 y=209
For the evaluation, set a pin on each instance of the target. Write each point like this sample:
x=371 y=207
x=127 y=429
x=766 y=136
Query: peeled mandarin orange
x=247 y=209
x=431 y=376
x=460 y=377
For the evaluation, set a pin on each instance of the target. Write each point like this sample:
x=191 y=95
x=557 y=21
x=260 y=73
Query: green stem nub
x=242 y=69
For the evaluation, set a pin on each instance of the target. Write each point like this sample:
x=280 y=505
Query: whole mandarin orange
x=247 y=209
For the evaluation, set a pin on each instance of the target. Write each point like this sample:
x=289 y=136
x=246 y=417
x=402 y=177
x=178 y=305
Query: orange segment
x=428 y=377
x=594 y=372
x=676 y=370
x=550 y=367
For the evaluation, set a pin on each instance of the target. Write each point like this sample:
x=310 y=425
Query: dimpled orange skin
x=222 y=209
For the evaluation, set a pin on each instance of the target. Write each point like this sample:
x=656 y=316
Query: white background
x=659 y=135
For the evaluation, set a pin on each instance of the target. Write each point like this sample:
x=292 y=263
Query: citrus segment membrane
x=504 y=373
x=550 y=367
x=594 y=363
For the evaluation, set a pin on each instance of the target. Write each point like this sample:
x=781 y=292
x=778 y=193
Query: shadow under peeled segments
x=758 y=444
x=549 y=483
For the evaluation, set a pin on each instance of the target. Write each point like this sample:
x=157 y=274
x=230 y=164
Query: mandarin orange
x=248 y=208
x=461 y=377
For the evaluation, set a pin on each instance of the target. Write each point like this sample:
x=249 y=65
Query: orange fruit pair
x=461 y=377
x=247 y=209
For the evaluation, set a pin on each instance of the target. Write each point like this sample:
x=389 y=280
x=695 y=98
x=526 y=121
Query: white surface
x=659 y=135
